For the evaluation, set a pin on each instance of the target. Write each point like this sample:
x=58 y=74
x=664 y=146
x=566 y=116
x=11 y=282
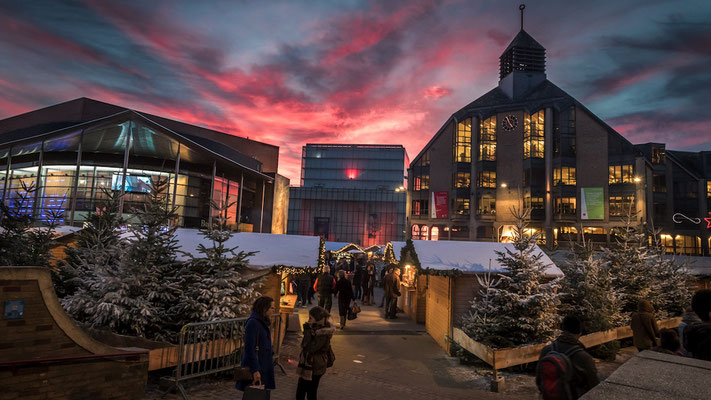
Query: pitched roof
x=524 y=40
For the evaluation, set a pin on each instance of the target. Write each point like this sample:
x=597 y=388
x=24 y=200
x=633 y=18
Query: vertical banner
x=439 y=202
x=592 y=203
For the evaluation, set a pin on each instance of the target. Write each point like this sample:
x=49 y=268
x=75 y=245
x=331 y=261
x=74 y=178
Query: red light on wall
x=352 y=173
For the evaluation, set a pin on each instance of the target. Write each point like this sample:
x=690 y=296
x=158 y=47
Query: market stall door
x=438 y=320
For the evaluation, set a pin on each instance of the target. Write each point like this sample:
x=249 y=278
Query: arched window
x=434 y=235
x=415 y=232
x=425 y=232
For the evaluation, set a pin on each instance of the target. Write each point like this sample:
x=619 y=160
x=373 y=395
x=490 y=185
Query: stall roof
x=344 y=246
x=466 y=256
x=273 y=250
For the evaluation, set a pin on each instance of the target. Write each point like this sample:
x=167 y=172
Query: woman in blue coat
x=258 y=354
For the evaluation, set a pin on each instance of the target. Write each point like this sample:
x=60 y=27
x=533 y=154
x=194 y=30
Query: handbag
x=256 y=393
x=242 y=374
x=355 y=308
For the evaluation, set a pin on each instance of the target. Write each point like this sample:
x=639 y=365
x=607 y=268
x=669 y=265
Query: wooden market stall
x=276 y=258
x=448 y=281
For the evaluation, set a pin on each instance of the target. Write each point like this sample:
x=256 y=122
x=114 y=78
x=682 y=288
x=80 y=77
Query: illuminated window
x=658 y=154
x=463 y=141
x=667 y=242
x=424 y=233
x=568 y=230
x=564 y=176
x=487 y=179
x=594 y=230
x=486 y=206
x=415 y=232
x=461 y=206
x=419 y=207
x=434 y=233
x=424 y=160
x=621 y=174
x=534 y=135
x=565 y=206
x=621 y=205
x=708 y=189
x=533 y=203
x=422 y=182
x=487 y=140
x=462 y=179
x=688 y=245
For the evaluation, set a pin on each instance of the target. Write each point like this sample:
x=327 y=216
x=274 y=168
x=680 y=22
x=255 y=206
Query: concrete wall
x=592 y=159
x=46 y=333
x=280 y=207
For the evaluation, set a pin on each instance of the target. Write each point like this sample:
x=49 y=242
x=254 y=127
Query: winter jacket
x=258 y=354
x=644 y=327
x=585 y=372
x=697 y=340
x=316 y=345
x=391 y=285
x=344 y=290
x=358 y=276
x=689 y=318
x=325 y=284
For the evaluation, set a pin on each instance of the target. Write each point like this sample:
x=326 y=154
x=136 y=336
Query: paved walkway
x=375 y=359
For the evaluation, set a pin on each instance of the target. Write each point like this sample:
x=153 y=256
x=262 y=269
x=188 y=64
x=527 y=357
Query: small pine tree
x=522 y=307
x=630 y=263
x=591 y=295
x=151 y=255
x=22 y=243
x=480 y=322
x=102 y=293
x=674 y=289
x=214 y=286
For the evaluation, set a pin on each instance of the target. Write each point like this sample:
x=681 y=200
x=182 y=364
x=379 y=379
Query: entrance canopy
x=273 y=250
x=466 y=256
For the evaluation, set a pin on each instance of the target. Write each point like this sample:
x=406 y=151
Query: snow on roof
x=466 y=256
x=335 y=246
x=273 y=250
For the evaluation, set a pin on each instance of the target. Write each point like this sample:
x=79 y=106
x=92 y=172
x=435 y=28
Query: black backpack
x=554 y=373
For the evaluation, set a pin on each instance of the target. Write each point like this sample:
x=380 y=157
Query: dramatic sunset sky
x=289 y=72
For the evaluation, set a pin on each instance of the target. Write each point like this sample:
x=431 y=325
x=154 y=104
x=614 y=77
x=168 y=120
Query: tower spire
x=522 y=7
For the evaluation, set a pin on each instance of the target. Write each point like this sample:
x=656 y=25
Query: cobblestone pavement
x=375 y=359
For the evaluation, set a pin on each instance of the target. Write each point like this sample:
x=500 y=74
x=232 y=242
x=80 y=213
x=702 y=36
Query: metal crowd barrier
x=207 y=348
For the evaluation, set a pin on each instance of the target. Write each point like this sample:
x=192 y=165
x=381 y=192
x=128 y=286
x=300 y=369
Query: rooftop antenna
x=522 y=7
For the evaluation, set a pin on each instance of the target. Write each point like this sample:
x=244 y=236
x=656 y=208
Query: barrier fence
x=207 y=348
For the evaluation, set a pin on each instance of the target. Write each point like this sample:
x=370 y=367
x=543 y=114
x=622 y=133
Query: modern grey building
x=350 y=193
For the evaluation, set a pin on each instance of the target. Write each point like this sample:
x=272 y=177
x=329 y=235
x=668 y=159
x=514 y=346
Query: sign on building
x=592 y=203
x=439 y=203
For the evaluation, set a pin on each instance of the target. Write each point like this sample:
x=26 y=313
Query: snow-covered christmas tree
x=674 y=289
x=23 y=242
x=214 y=286
x=151 y=257
x=591 y=295
x=630 y=262
x=521 y=308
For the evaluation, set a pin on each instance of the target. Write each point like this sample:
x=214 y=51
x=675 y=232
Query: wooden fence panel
x=504 y=358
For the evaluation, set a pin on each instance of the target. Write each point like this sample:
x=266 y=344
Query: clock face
x=509 y=123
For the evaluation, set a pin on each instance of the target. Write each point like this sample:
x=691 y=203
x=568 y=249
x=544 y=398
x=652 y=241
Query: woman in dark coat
x=258 y=354
x=344 y=290
x=368 y=284
x=316 y=354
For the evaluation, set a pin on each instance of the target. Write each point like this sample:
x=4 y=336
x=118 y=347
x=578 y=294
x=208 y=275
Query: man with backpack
x=565 y=370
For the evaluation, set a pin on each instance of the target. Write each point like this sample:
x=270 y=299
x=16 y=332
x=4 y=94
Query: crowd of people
x=567 y=371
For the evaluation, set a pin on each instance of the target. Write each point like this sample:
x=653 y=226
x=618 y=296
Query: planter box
x=509 y=357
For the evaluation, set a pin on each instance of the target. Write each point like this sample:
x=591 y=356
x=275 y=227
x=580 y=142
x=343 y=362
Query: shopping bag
x=256 y=393
x=355 y=308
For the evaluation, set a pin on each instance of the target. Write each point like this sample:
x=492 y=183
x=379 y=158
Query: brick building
x=528 y=144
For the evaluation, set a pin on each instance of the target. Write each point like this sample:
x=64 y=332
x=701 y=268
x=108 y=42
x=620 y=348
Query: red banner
x=439 y=205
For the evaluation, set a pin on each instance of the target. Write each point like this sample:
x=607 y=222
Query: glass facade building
x=350 y=193
x=69 y=172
